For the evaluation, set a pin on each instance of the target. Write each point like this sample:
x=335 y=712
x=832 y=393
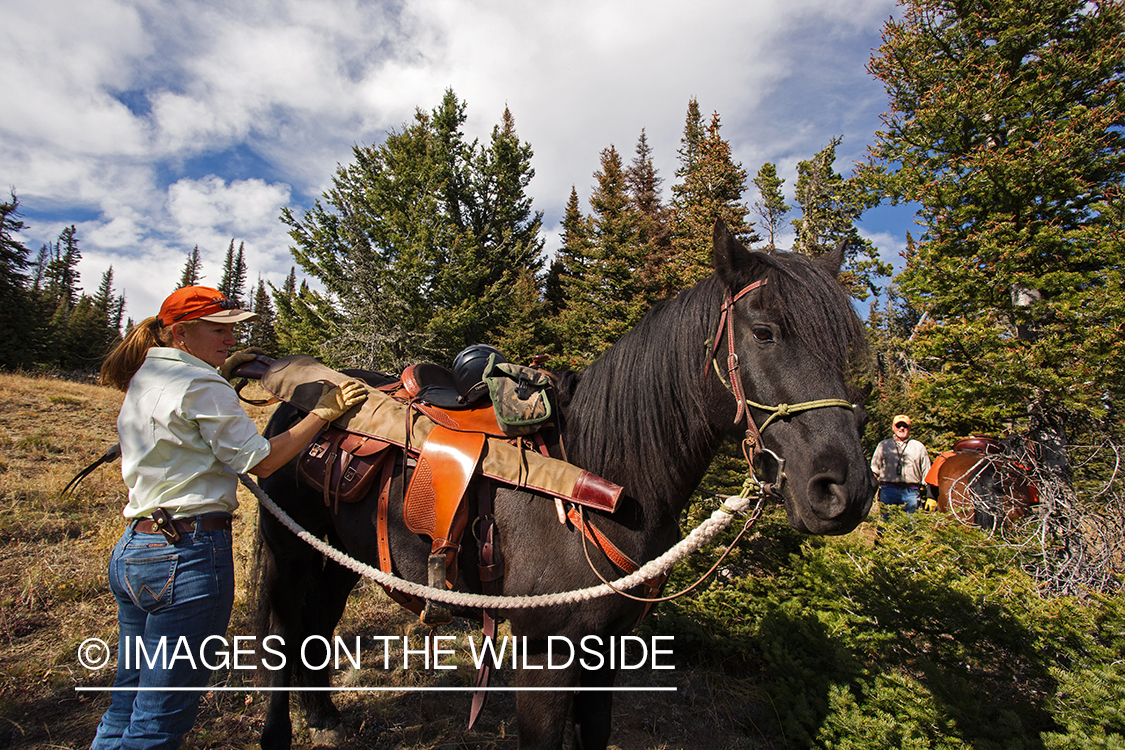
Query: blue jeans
x=905 y=496
x=182 y=593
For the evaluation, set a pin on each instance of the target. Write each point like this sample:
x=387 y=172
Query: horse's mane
x=637 y=416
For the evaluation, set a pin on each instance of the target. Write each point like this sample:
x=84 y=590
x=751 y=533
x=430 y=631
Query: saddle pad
x=935 y=468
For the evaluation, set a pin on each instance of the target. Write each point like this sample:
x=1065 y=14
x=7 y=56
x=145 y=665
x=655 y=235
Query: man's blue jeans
x=180 y=594
x=907 y=497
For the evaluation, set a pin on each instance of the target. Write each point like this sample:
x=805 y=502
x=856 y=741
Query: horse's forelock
x=811 y=306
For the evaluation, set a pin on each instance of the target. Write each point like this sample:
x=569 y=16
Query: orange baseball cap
x=901 y=418
x=201 y=302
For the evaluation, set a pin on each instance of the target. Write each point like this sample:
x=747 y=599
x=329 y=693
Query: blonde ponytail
x=128 y=356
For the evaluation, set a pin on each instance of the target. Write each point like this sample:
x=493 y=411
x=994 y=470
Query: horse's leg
x=289 y=562
x=593 y=711
x=542 y=717
x=306 y=597
x=325 y=602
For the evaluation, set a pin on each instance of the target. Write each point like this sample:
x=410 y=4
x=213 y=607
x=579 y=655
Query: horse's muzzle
x=832 y=505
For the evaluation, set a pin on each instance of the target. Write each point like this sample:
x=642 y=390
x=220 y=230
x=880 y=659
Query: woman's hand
x=332 y=405
x=238 y=358
x=336 y=402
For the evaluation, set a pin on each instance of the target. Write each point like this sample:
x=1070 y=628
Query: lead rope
x=750 y=482
x=700 y=536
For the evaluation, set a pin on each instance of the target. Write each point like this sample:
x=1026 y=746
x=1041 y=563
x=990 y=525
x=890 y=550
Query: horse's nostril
x=828 y=496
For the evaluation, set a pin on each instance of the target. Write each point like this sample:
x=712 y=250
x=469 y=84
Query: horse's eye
x=763 y=334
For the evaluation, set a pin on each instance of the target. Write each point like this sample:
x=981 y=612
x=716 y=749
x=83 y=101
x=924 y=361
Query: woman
x=184 y=439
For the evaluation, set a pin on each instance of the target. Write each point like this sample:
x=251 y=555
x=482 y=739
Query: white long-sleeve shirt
x=184 y=437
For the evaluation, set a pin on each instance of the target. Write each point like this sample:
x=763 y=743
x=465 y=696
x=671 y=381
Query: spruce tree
x=609 y=296
x=710 y=186
x=497 y=235
x=262 y=332
x=830 y=206
x=60 y=297
x=771 y=205
x=653 y=221
x=62 y=273
x=233 y=282
x=192 y=275
x=17 y=321
x=573 y=257
x=420 y=240
x=109 y=308
x=296 y=331
x=304 y=321
x=522 y=334
x=1007 y=127
x=92 y=328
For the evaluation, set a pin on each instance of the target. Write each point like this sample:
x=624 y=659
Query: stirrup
x=436 y=614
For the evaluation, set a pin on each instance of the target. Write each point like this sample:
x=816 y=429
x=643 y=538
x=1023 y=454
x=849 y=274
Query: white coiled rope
x=699 y=536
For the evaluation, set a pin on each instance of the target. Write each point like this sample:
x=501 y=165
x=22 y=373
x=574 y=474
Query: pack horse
x=757 y=351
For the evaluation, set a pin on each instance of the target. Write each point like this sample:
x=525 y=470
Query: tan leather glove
x=336 y=401
x=239 y=358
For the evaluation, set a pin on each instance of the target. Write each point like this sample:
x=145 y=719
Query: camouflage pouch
x=519 y=396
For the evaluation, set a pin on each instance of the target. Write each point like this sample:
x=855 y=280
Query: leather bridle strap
x=726 y=325
x=781 y=411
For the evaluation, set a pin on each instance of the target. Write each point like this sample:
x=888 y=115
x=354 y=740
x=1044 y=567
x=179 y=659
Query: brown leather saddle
x=978 y=444
x=435 y=502
x=982 y=444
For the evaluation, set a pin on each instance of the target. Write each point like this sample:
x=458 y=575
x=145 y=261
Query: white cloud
x=170 y=125
x=211 y=213
x=60 y=62
x=242 y=207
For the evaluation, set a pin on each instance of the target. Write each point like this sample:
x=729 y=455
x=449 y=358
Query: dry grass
x=54 y=594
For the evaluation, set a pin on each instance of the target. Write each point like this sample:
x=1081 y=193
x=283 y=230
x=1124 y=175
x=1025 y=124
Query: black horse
x=649 y=415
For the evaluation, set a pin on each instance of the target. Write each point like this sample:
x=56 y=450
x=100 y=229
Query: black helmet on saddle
x=468 y=371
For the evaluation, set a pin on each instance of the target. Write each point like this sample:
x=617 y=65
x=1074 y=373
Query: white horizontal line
x=376 y=689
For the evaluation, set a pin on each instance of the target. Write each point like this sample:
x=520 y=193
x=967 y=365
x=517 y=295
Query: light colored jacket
x=900 y=463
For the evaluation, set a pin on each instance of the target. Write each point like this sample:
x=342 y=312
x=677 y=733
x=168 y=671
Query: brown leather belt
x=185 y=525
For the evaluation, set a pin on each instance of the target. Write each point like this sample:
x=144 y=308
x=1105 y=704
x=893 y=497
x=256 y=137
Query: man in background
x=900 y=464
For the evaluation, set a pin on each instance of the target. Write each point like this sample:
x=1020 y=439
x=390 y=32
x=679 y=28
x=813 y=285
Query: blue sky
x=155 y=127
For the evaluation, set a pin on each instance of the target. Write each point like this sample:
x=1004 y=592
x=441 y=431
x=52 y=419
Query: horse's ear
x=833 y=260
x=729 y=254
